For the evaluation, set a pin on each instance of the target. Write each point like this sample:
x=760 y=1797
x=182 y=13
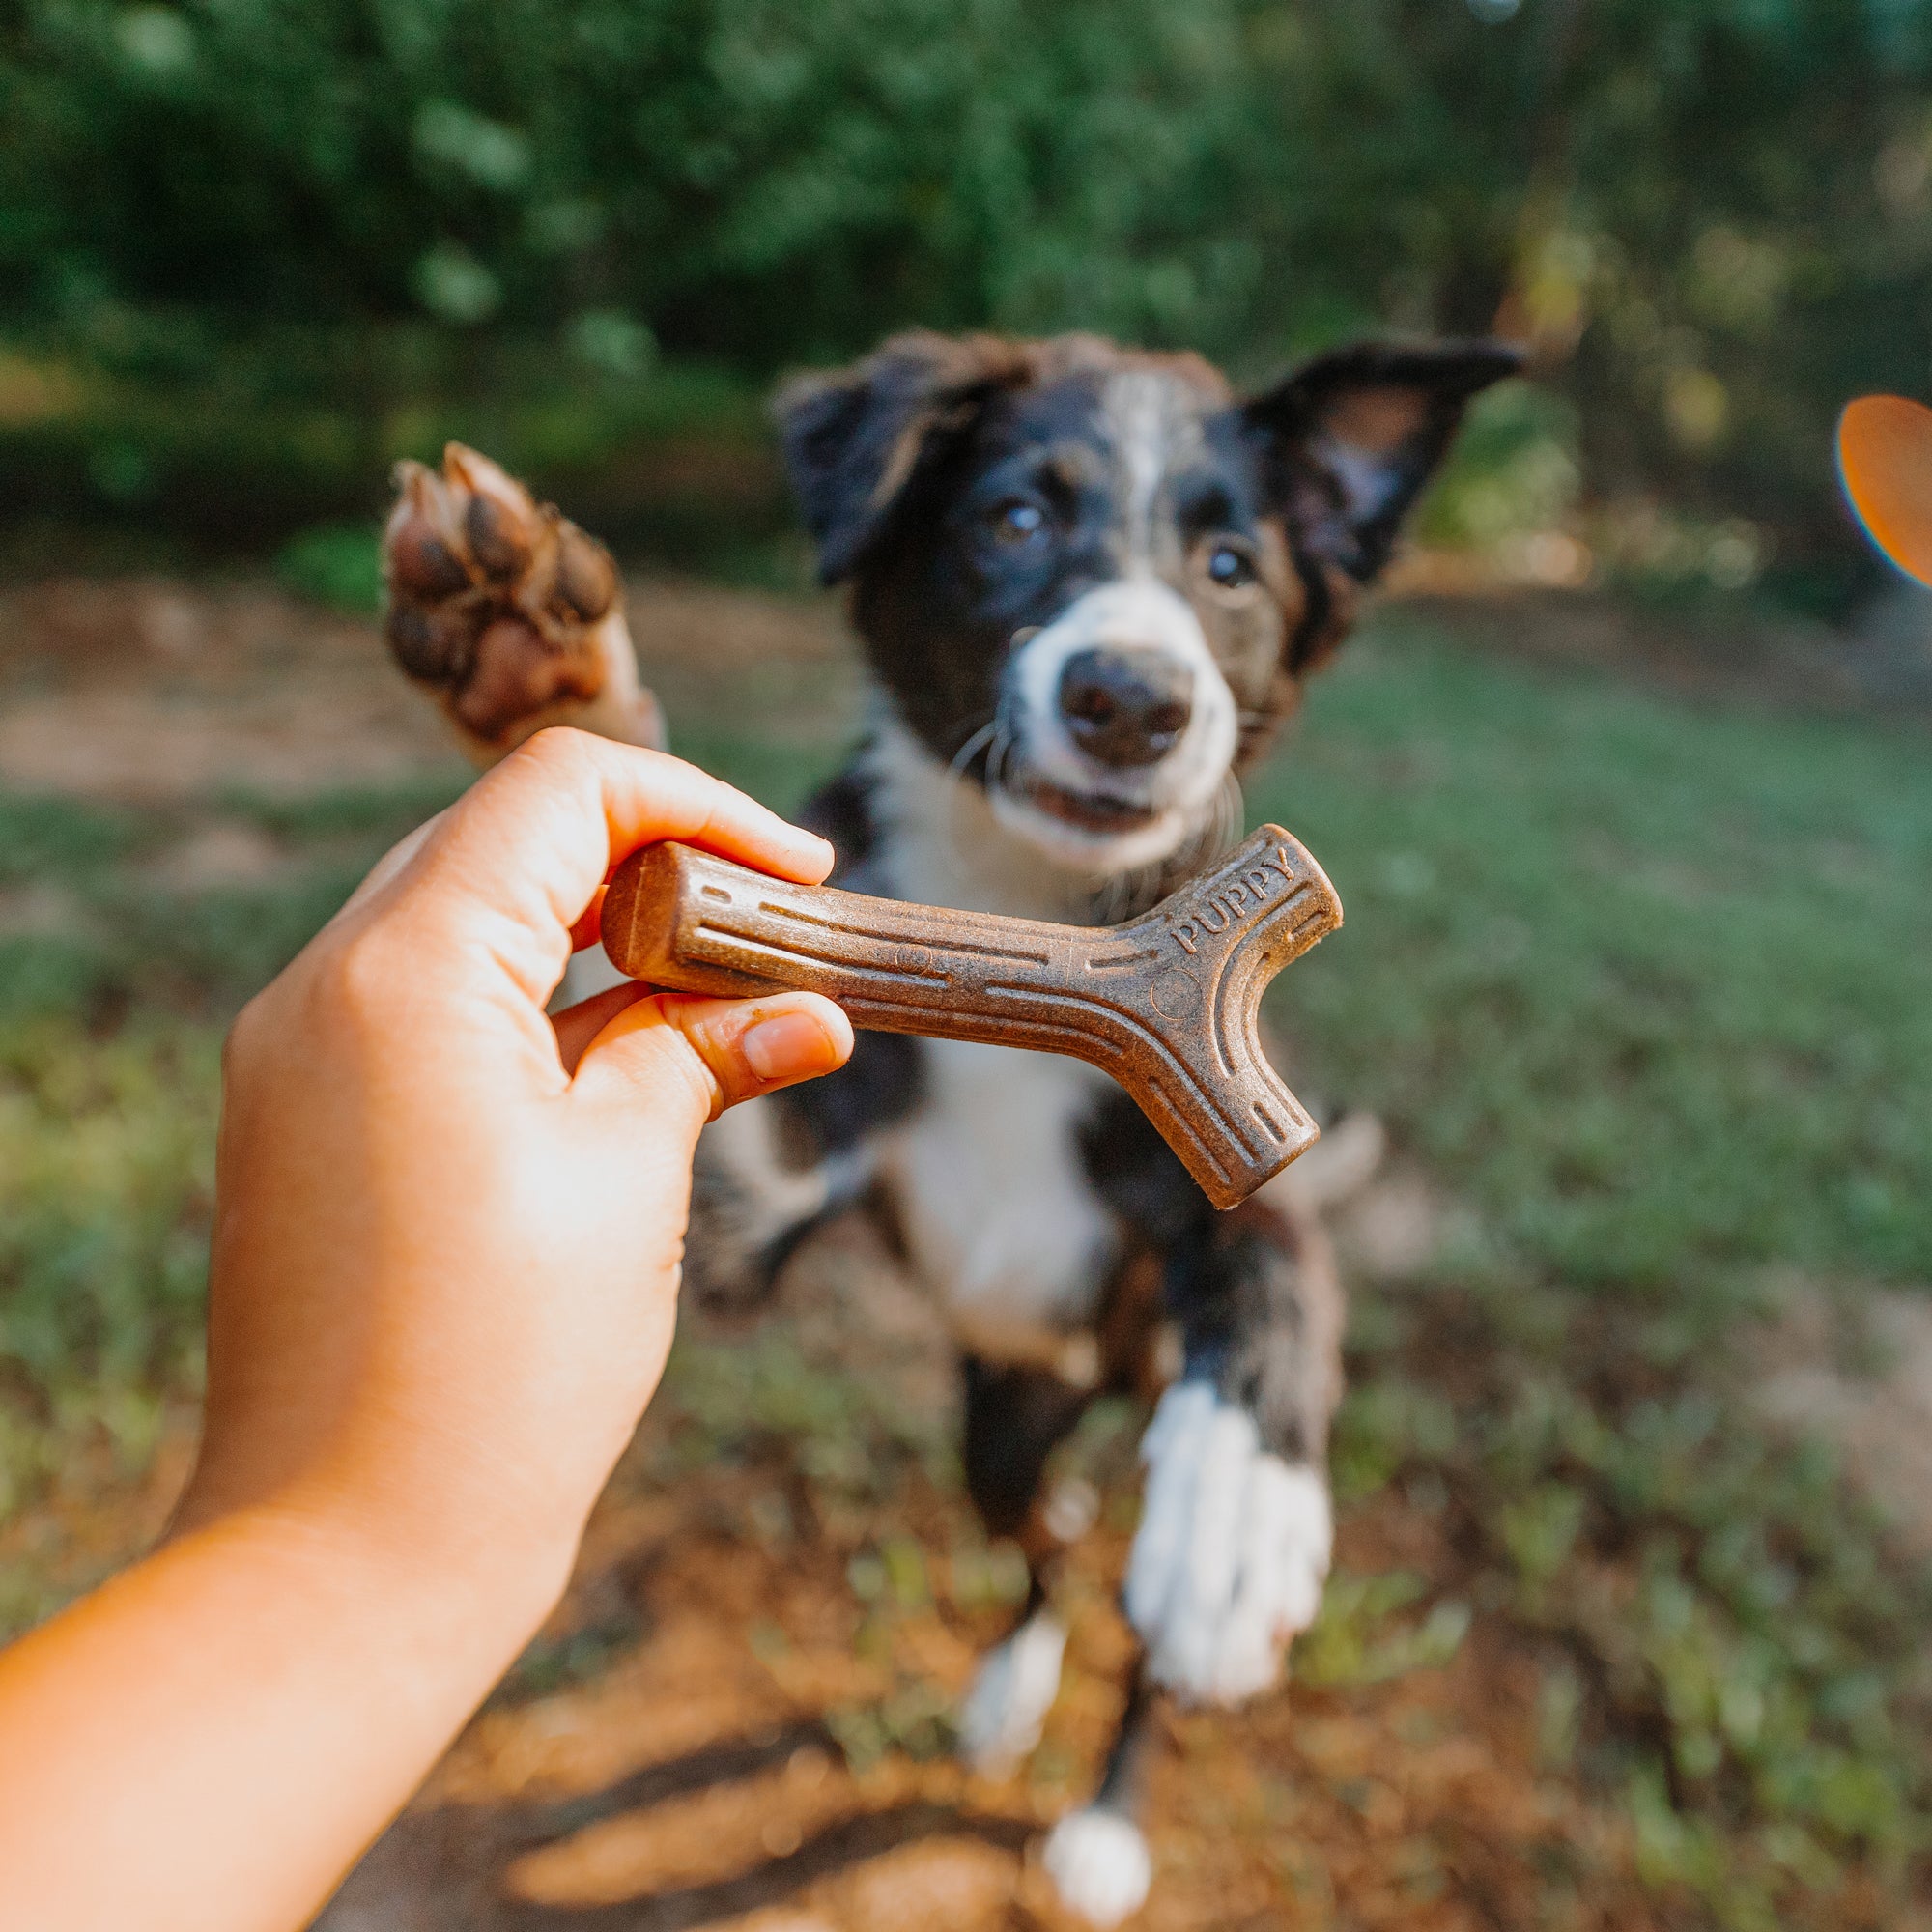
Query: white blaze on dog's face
x=1091 y=581
x=1117 y=728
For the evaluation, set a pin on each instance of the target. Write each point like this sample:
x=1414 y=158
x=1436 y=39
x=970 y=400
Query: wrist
x=455 y=1600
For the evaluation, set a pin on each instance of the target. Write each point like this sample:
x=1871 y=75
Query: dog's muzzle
x=1121 y=728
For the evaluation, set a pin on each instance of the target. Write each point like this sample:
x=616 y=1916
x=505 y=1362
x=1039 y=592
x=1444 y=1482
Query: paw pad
x=495 y=600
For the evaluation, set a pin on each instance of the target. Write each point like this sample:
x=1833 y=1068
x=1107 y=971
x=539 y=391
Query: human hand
x=449 y=1230
x=445 y=1276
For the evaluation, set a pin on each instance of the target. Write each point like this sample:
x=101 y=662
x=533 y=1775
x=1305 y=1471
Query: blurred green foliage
x=336 y=564
x=311 y=235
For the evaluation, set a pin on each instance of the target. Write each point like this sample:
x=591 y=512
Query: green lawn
x=1646 y=990
x=1651 y=987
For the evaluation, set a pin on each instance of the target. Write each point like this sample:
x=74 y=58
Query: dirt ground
x=745 y=1729
x=709 y=1775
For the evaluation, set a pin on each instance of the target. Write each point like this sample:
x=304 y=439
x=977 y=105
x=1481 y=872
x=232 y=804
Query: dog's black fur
x=971 y=494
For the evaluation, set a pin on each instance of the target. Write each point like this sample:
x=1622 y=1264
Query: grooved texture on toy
x=1167 y=1003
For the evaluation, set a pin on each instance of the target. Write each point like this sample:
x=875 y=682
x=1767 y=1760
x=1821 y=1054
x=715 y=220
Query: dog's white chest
x=997 y=1209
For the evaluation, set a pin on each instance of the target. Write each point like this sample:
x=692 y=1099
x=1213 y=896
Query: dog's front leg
x=1096 y=1856
x=1233 y=1543
x=770 y=1171
x=1016 y=1415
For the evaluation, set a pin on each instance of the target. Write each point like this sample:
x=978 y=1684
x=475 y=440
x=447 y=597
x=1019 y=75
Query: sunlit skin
x=444 y=1278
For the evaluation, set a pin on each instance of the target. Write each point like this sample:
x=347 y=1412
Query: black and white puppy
x=1088 y=583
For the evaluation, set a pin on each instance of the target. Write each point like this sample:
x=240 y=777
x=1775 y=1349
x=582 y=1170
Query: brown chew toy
x=1167 y=1003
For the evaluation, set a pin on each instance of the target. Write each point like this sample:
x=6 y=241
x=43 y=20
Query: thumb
x=678 y=1049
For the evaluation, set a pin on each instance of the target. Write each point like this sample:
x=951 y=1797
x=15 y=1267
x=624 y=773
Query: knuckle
x=354 y=976
x=710 y=1088
x=561 y=750
x=702 y=1064
x=340 y=988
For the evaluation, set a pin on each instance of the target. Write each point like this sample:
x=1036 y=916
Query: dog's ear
x=1350 y=440
x=854 y=439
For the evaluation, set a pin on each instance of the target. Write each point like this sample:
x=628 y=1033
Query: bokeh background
x=1625 y=787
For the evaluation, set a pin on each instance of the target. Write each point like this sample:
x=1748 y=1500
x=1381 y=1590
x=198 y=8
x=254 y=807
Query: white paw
x=1100 y=1865
x=1000 y=1720
x=1232 y=1552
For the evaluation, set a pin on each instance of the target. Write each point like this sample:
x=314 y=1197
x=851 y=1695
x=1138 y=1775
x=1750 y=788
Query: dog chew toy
x=1168 y=1004
x=1885 y=455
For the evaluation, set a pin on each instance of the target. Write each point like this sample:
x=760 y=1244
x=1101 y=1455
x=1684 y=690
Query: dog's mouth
x=1090 y=811
x=1004 y=772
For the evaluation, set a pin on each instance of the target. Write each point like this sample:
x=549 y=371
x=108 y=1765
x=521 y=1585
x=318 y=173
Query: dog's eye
x=1018 y=522
x=1231 y=566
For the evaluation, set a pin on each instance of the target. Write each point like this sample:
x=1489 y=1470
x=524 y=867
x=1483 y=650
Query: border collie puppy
x=1088 y=583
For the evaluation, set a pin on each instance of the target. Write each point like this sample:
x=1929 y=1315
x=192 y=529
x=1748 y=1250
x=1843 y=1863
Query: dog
x=1090 y=584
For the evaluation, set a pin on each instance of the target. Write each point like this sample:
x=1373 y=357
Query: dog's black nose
x=1126 y=707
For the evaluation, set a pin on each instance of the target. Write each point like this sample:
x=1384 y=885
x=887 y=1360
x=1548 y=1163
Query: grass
x=1647 y=992
x=114 y=992
x=1650 y=988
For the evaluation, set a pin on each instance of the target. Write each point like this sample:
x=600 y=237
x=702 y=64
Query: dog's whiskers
x=1000 y=749
x=985 y=738
x=963 y=757
x=1234 y=817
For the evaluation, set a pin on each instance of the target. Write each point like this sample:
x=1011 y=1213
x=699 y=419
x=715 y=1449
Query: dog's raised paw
x=1099 y=1864
x=506 y=611
x=1232 y=1552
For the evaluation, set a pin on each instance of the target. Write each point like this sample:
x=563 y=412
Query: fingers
x=577 y=1026
x=516 y=863
x=715 y=1052
x=573 y=806
x=589 y=927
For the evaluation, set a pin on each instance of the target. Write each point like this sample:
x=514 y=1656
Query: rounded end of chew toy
x=1885 y=457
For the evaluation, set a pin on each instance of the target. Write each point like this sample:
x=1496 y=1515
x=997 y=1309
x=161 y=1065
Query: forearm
x=209 y=1741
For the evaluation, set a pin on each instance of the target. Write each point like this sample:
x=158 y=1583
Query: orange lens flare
x=1885 y=455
